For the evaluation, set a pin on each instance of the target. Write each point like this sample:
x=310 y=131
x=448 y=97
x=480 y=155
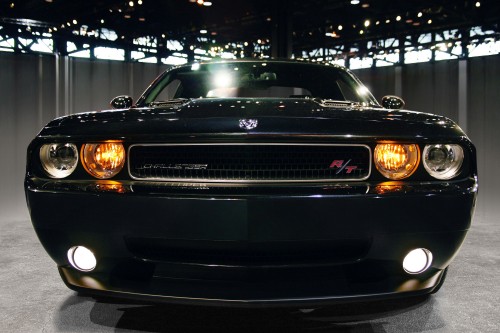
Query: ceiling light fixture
x=354 y=2
x=207 y=3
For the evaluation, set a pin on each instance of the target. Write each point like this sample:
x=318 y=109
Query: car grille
x=249 y=162
x=234 y=253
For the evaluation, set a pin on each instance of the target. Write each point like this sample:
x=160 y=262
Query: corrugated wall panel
x=484 y=129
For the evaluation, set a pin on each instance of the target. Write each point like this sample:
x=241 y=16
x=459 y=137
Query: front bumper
x=251 y=246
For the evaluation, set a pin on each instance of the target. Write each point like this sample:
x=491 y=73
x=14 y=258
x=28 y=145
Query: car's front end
x=252 y=201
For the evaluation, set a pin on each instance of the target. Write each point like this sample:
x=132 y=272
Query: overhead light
x=340 y=27
x=200 y=2
x=377 y=23
x=207 y=3
x=365 y=5
x=139 y=2
x=430 y=21
x=387 y=21
x=354 y=2
x=419 y=14
x=361 y=32
x=203 y=31
x=367 y=23
x=75 y=22
x=127 y=16
x=12 y=5
x=102 y=20
x=398 y=18
x=142 y=19
x=131 y=3
x=478 y=4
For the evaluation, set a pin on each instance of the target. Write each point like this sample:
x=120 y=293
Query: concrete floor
x=34 y=299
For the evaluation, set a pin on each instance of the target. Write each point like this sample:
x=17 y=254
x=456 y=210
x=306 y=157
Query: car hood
x=221 y=117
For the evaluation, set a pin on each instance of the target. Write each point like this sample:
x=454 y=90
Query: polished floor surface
x=34 y=299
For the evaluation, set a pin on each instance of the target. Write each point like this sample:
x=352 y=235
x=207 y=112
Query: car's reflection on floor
x=416 y=314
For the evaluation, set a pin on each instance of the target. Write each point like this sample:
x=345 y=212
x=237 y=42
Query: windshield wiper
x=170 y=102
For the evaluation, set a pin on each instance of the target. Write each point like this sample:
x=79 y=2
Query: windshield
x=257 y=80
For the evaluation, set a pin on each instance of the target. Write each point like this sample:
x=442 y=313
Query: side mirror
x=122 y=102
x=393 y=102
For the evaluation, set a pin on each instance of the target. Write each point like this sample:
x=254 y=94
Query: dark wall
x=36 y=89
x=483 y=121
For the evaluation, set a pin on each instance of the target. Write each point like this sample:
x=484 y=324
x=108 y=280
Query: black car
x=252 y=183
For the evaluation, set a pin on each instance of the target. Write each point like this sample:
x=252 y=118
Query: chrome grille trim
x=250 y=181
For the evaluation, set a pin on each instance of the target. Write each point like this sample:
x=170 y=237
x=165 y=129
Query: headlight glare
x=59 y=160
x=396 y=161
x=103 y=160
x=443 y=161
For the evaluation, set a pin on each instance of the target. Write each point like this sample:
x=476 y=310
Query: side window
x=169 y=91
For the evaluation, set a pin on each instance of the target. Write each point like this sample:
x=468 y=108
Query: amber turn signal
x=103 y=160
x=396 y=161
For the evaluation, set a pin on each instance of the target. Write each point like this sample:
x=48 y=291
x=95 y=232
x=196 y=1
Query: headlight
x=103 y=160
x=443 y=161
x=396 y=161
x=59 y=160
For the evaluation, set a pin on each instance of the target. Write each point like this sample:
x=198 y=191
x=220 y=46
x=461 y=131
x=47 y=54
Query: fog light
x=417 y=261
x=81 y=258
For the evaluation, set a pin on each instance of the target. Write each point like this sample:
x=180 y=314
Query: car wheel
x=441 y=282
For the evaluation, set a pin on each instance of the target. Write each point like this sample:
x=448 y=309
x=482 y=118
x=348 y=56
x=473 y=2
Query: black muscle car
x=252 y=183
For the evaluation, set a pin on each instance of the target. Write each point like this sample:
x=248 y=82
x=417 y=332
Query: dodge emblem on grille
x=248 y=123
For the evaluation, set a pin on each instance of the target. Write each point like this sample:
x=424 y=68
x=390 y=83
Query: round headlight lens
x=103 y=160
x=443 y=161
x=59 y=160
x=396 y=161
